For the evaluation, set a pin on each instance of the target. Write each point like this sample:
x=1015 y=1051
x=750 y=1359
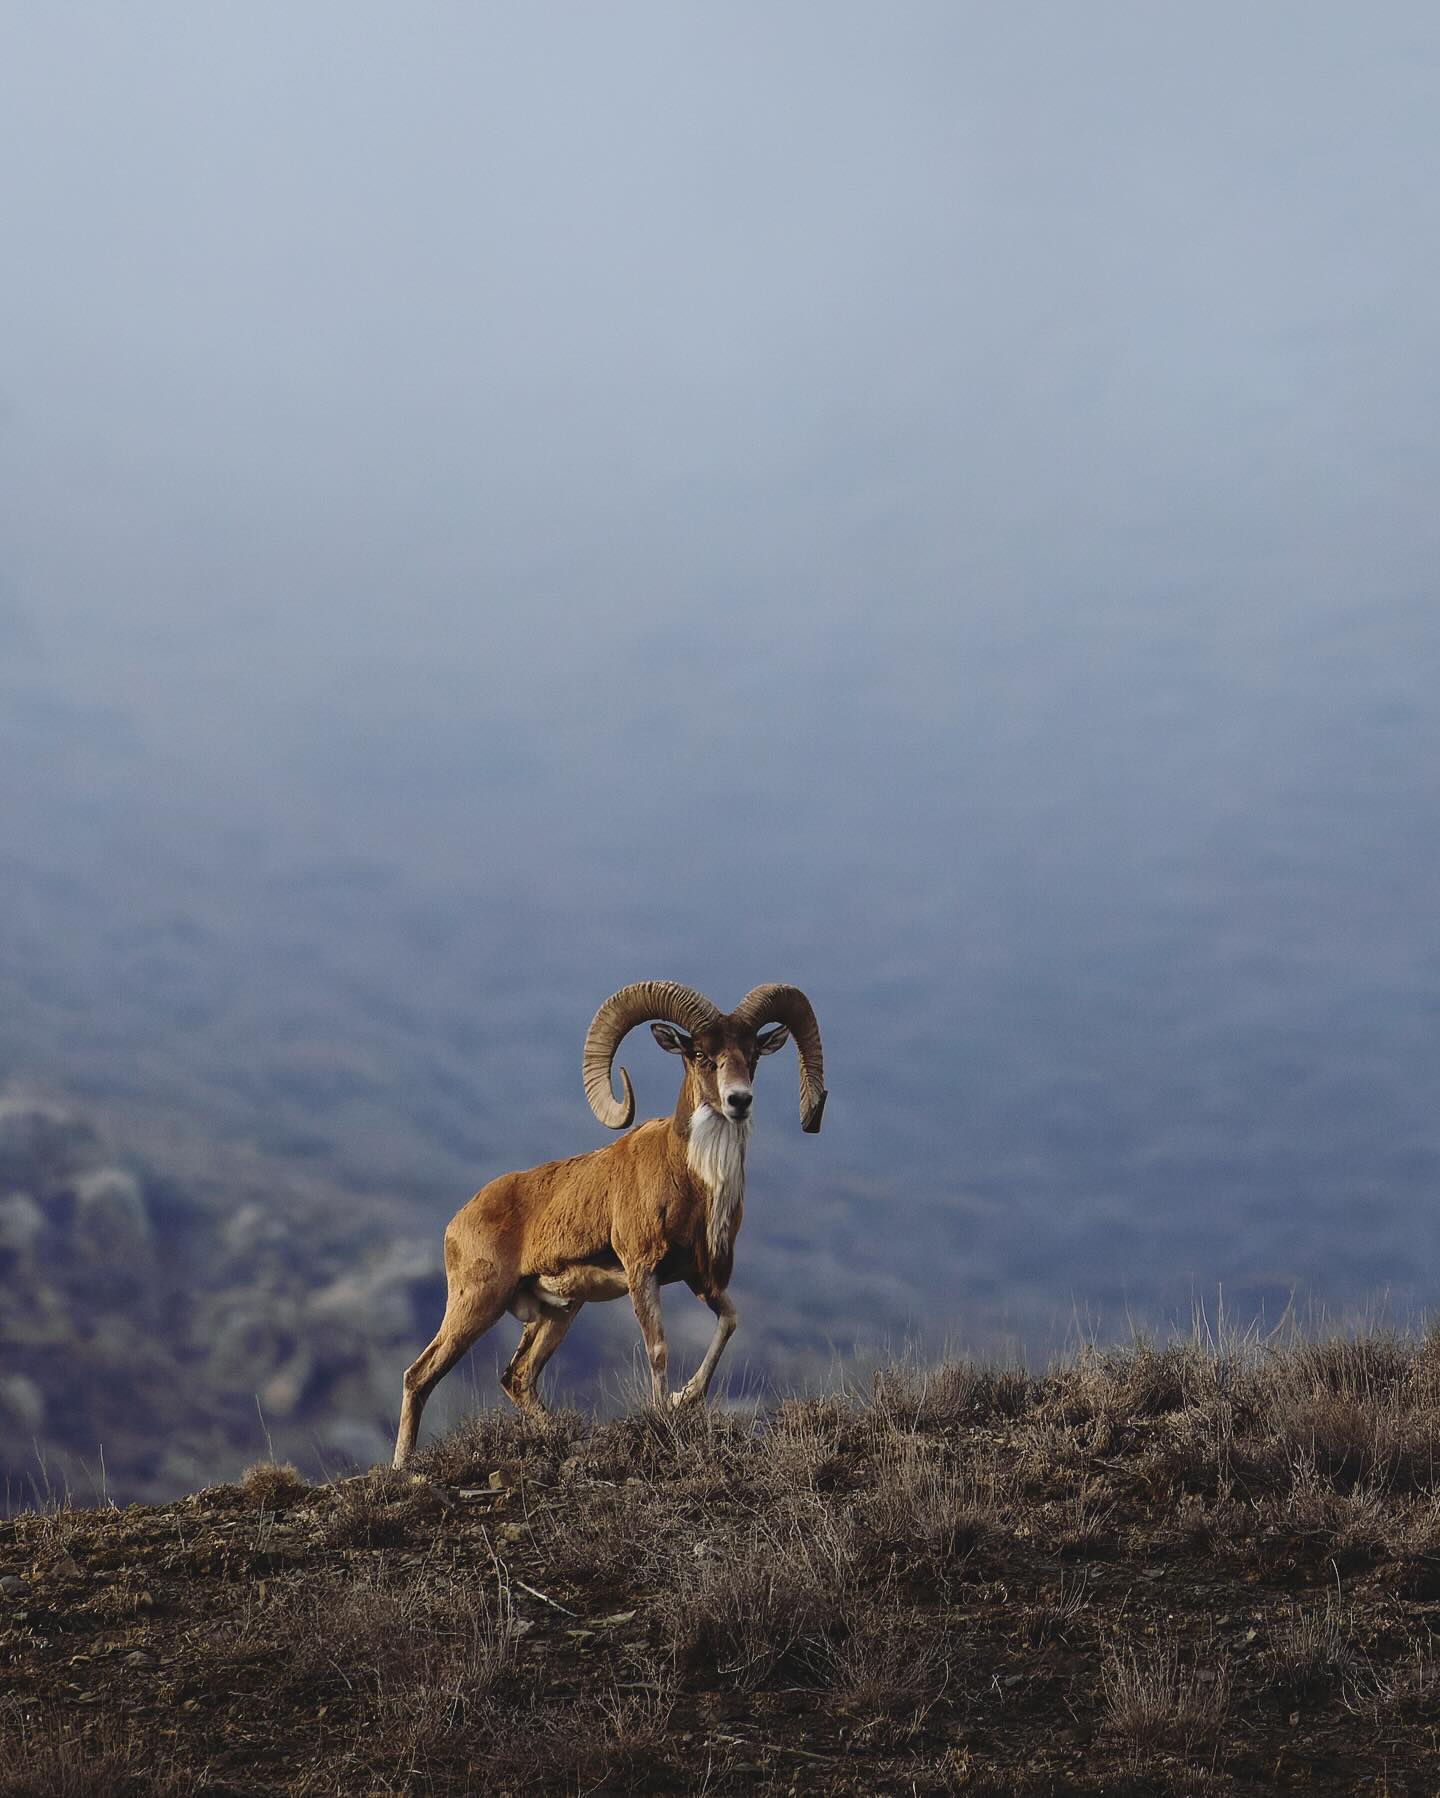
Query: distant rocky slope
x=162 y=1312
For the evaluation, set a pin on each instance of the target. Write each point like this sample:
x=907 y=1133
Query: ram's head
x=721 y=1049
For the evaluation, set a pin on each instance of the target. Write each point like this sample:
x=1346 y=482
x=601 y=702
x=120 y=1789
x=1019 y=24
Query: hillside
x=1186 y=1569
x=164 y=1307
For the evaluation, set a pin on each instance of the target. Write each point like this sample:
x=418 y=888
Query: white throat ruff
x=717 y=1158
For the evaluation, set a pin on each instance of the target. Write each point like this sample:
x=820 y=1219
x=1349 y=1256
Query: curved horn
x=620 y=1013
x=788 y=1005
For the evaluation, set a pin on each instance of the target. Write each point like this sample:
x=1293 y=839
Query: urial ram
x=661 y=1204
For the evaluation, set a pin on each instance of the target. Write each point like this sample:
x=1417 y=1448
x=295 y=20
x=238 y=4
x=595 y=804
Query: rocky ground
x=1203 y=1569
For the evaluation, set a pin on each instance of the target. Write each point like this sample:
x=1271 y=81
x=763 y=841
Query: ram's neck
x=686 y=1105
x=716 y=1157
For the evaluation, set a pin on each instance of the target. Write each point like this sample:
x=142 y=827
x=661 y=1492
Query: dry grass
x=1154 y=1701
x=504 y=1438
x=380 y=1509
x=58 y=1758
x=932 y=1515
x=1311 y=1653
x=1153 y=1568
x=753 y=1602
x=611 y=1738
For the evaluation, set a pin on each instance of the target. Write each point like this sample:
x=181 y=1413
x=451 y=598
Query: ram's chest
x=717 y=1160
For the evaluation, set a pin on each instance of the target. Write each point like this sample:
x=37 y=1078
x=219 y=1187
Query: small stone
x=67 y=1568
x=140 y=1659
x=12 y=1587
x=618 y=1617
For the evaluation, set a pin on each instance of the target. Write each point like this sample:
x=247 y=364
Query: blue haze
x=933 y=503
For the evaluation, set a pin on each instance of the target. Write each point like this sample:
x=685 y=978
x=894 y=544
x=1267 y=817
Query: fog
x=932 y=503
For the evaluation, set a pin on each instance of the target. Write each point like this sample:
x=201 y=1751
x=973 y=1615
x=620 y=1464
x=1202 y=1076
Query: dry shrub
x=1083 y=1526
x=273 y=1485
x=129 y=1596
x=1047 y=1457
x=616 y=1740
x=1159 y=1381
x=770 y=1595
x=1333 y=1432
x=908 y=1398
x=419 y=1658
x=382 y=1633
x=1083 y=1391
x=1122 y=1384
x=1155 y=1702
x=1310 y=1654
x=379 y=1509
x=929 y=1515
x=489 y=1438
x=423 y=1658
x=1360 y=1410
x=1190 y=1452
x=887 y=1667
x=1413 y=1537
x=615 y=1532
x=1363 y=1367
x=1057 y=1619
x=1409 y=1687
x=655 y=1441
x=1353 y=1527
x=806 y=1443
x=47 y=1756
x=1352 y=1440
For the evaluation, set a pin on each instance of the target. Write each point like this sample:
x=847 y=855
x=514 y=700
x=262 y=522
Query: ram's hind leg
x=469 y=1313
x=645 y=1297
x=538 y=1342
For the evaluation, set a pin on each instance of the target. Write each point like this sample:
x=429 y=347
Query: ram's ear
x=772 y=1040
x=671 y=1040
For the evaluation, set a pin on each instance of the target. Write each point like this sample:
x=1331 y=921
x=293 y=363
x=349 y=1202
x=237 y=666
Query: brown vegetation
x=1151 y=1570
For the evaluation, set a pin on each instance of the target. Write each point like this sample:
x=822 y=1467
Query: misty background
x=933 y=503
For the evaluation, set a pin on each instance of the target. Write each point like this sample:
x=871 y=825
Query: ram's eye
x=705 y=1062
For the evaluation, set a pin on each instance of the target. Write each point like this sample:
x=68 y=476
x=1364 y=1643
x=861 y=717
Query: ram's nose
x=738 y=1104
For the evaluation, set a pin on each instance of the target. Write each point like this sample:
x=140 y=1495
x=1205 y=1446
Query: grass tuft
x=272 y=1486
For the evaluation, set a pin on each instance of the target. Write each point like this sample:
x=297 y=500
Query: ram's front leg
x=695 y=1388
x=645 y=1297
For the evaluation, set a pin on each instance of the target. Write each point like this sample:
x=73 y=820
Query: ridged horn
x=620 y=1013
x=788 y=1005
